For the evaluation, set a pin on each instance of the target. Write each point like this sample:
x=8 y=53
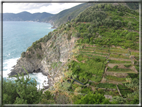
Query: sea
x=17 y=37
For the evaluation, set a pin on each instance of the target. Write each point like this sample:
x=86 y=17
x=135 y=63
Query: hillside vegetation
x=69 y=14
x=105 y=58
x=101 y=51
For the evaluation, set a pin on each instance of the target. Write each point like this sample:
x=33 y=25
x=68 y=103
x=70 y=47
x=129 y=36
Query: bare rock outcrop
x=47 y=57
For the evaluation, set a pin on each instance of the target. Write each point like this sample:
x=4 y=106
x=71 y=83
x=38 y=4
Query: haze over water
x=17 y=37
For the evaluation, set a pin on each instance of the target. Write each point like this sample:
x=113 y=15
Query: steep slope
x=51 y=50
x=97 y=52
x=26 y=16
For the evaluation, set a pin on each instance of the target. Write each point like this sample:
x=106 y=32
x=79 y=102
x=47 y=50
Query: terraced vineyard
x=91 y=72
x=105 y=58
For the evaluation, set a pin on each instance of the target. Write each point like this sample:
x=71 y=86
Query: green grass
x=90 y=47
x=87 y=49
x=119 y=51
x=92 y=53
x=119 y=56
x=114 y=78
x=116 y=61
x=135 y=53
x=105 y=51
x=106 y=85
x=84 y=52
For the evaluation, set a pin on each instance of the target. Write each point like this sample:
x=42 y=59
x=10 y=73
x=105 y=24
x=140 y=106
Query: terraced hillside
x=106 y=56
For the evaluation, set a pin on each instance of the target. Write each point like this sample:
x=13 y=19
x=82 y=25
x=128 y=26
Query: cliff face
x=48 y=57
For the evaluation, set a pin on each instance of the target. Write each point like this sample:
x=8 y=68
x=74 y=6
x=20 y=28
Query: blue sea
x=17 y=37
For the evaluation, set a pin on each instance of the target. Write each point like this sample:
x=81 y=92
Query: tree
x=21 y=91
x=23 y=54
x=27 y=91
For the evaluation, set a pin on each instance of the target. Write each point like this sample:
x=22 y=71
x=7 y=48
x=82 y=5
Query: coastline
x=11 y=65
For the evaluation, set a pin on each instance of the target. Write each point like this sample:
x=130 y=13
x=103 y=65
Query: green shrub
x=91 y=98
x=23 y=54
x=132 y=75
x=29 y=56
x=128 y=65
x=39 y=56
x=86 y=90
x=115 y=67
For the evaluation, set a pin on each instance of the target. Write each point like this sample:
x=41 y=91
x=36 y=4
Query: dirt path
x=134 y=69
x=76 y=60
x=118 y=91
x=93 y=88
x=103 y=79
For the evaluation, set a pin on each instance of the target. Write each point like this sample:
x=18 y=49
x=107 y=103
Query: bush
x=128 y=65
x=23 y=54
x=86 y=89
x=29 y=56
x=132 y=75
x=115 y=67
x=91 y=98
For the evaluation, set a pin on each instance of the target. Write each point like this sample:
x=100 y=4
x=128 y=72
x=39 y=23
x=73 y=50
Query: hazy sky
x=36 y=7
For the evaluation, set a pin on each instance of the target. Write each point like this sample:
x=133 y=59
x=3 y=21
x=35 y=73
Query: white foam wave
x=7 y=66
x=39 y=77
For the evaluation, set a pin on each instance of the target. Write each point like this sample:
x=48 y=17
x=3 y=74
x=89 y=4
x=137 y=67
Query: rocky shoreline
x=57 y=50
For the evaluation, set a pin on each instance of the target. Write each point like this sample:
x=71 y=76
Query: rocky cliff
x=46 y=55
